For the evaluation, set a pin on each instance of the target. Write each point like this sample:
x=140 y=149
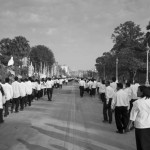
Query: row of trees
x=130 y=46
x=19 y=48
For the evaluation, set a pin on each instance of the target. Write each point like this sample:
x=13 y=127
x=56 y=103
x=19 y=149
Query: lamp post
x=117 y=69
x=147 y=80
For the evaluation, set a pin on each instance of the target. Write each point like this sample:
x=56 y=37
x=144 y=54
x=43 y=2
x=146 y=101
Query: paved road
x=67 y=123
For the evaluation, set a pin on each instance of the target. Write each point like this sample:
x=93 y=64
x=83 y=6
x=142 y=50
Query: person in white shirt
x=1 y=104
x=120 y=104
x=114 y=84
x=102 y=90
x=16 y=95
x=90 y=84
x=140 y=115
x=109 y=96
x=94 y=87
x=22 y=94
x=60 y=83
x=49 y=85
x=134 y=89
x=81 y=87
x=8 y=95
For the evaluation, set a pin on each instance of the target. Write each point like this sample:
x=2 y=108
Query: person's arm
x=129 y=126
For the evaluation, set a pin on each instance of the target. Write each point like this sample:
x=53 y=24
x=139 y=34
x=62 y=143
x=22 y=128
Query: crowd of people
x=128 y=102
x=18 y=93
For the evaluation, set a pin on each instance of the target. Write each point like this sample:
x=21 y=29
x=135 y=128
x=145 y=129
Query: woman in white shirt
x=140 y=114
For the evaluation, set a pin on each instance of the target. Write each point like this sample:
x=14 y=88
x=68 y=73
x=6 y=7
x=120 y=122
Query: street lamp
x=147 y=80
x=117 y=69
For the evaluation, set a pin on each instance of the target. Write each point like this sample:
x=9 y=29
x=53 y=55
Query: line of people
x=19 y=93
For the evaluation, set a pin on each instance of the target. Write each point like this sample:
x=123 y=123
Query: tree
x=41 y=54
x=6 y=50
x=127 y=35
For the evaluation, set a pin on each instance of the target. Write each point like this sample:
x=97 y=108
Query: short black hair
x=128 y=84
x=16 y=78
x=114 y=79
x=120 y=85
x=7 y=80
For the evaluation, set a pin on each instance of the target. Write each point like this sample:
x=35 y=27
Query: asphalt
x=68 y=122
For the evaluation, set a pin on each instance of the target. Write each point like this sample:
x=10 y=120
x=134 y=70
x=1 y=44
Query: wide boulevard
x=68 y=122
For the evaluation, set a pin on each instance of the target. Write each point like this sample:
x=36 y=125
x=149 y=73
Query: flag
x=11 y=61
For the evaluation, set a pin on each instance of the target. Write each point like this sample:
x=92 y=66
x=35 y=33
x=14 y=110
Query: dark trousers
x=25 y=100
x=81 y=91
x=22 y=101
x=93 y=91
x=107 y=113
x=1 y=115
x=29 y=99
x=15 y=102
x=102 y=97
x=121 y=117
x=49 y=93
x=142 y=139
x=6 y=105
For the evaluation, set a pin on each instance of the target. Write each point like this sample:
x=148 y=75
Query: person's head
x=16 y=78
x=142 y=91
x=119 y=86
x=128 y=84
x=107 y=83
x=103 y=81
x=7 y=80
x=114 y=79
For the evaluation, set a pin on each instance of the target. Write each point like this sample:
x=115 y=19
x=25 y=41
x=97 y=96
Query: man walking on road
x=49 y=86
x=121 y=104
x=81 y=87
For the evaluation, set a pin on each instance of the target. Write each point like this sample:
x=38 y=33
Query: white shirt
x=22 y=89
x=90 y=83
x=1 y=101
x=120 y=99
x=129 y=92
x=8 y=91
x=134 y=89
x=140 y=113
x=109 y=93
x=29 y=87
x=61 y=81
x=102 y=88
x=114 y=86
x=82 y=83
x=16 y=89
x=94 y=85
x=49 y=84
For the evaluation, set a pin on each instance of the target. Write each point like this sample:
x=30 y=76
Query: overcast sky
x=77 y=31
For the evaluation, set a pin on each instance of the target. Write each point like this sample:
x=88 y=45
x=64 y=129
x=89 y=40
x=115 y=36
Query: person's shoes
x=120 y=132
x=110 y=122
x=2 y=121
x=105 y=121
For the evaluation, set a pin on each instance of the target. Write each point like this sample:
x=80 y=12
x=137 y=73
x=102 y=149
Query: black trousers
x=49 y=93
x=1 y=115
x=15 y=103
x=93 y=91
x=6 y=105
x=29 y=99
x=142 y=139
x=81 y=91
x=102 y=97
x=105 y=114
x=22 y=102
x=121 y=117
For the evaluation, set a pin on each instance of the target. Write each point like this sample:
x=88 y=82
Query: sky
x=77 y=31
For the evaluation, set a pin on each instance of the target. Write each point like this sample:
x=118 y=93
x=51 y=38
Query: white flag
x=11 y=61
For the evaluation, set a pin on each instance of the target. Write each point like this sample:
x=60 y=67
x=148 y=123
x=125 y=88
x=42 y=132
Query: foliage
x=41 y=54
x=128 y=48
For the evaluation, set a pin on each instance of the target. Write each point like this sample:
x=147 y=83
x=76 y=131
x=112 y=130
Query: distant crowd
x=18 y=93
x=129 y=102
